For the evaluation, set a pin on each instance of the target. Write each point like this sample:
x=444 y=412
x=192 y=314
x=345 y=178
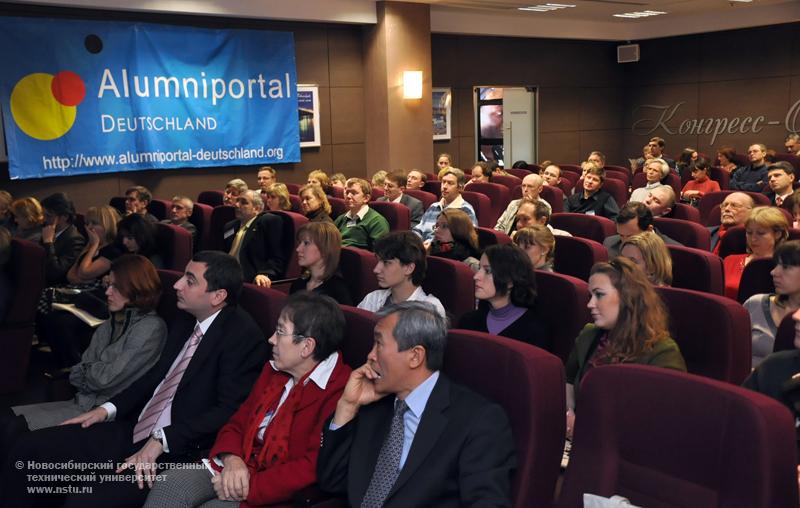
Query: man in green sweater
x=360 y=225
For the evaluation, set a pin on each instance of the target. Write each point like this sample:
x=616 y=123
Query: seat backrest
x=561 y=302
x=519 y=173
x=168 y=303
x=623 y=176
x=734 y=242
x=292 y=222
x=356 y=266
x=697 y=269
x=397 y=215
x=451 y=282
x=264 y=305
x=377 y=192
x=722 y=177
x=201 y=219
x=489 y=236
x=554 y=196
x=359 y=337
x=509 y=181
x=506 y=371
x=756 y=279
x=784 y=338
x=482 y=206
x=338 y=206
x=566 y=185
x=426 y=197
x=712 y=331
x=293 y=188
x=572 y=177
x=685 y=212
x=572 y=168
x=211 y=198
x=175 y=245
x=791 y=158
x=337 y=192
x=296 y=203
x=575 y=256
x=25 y=270
x=616 y=188
x=592 y=227
x=712 y=199
x=498 y=198
x=434 y=187
x=667 y=439
x=220 y=216
x=118 y=203
x=159 y=208
x=690 y=234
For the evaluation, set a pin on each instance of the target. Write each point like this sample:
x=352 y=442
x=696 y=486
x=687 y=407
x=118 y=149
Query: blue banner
x=84 y=97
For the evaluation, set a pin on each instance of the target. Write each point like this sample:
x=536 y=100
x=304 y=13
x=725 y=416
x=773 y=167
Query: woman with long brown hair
x=454 y=237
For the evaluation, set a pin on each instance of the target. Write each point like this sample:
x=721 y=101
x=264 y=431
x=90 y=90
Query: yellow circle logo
x=44 y=106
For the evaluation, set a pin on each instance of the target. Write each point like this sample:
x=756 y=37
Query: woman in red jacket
x=268 y=450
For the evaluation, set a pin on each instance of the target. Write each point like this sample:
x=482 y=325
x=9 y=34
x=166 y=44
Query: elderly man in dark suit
x=60 y=238
x=255 y=238
x=404 y=435
x=213 y=355
x=393 y=192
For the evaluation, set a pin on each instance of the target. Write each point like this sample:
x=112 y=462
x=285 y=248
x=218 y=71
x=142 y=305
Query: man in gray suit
x=393 y=188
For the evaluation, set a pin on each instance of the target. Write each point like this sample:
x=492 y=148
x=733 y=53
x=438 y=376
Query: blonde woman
x=315 y=204
x=649 y=251
x=539 y=244
x=276 y=197
x=29 y=216
x=319 y=177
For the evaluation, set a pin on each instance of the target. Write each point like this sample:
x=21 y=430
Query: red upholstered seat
x=25 y=271
x=220 y=216
x=483 y=208
x=211 y=198
x=359 y=337
x=685 y=212
x=520 y=173
x=377 y=192
x=722 y=177
x=572 y=168
x=756 y=279
x=296 y=203
x=168 y=303
x=159 y=208
x=357 y=267
x=451 y=282
x=566 y=185
x=489 y=236
x=697 y=269
x=791 y=158
x=575 y=256
x=337 y=192
x=712 y=199
x=712 y=331
x=561 y=302
x=784 y=339
x=690 y=234
x=175 y=245
x=592 y=227
x=396 y=214
x=554 y=196
x=338 y=207
x=293 y=188
x=264 y=305
x=292 y=222
x=667 y=439
x=434 y=187
x=201 y=219
x=498 y=198
x=623 y=176
x=509 y=181
x=508 y=371
x=426 y=197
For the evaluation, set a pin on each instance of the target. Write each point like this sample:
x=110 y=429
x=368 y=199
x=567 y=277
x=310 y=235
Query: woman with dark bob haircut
x=122 y=349
x=137 y=235
x=505 y=284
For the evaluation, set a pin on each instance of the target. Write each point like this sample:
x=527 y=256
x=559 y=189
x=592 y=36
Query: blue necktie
x=387 y=468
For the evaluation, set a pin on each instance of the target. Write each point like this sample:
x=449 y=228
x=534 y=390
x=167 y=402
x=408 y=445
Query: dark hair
x=222 y=272
x=141 y=230
x=408 y=248
x=136 y=279
x=520 y=165
x=702 y=164
x=419 y=324
x=540 y=209
x=512 y=273
x=787 y=253
x=728 y=152
x=636 y=210
x=142 y=193
x=318 y=316
x=398 y=177
x=784 y=166
x=60 y=204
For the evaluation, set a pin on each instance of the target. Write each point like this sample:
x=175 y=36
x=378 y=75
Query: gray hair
x=255 y=197
x=662 y=165
x=419 y=324
x=238 y=184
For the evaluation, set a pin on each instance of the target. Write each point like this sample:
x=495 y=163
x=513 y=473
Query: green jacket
x=365 y=232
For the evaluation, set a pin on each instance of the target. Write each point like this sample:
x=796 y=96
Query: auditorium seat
x=690 y=234
x=572 y=177
x=519 y=173
x=160 y=208
x=673 y=180
x=561 y=303
x=426 y=197
x=296 y=203
x=211 y=198
x=498 y=199
x=623 y=176
x=201 y=219
x=356 y=266
x=712 y=331
x=508 y=181
x=292 y=222
x=168 y=303
x=506 y=372
x=697 y=269
x=667 y=439
x=784 y=339
x=483 y=208
x=25 y=270
x=338 y=207
x=175 y=246
x=432 y=177
x=554 y=196
x=396 y=214
x=118 y=203
x=592 y=227
x=220 y=216
x=434 y=187
x=359 y=335
x=566 y=185
x=620 y=169
x=377 y=192
x=722 y=177
x=756 y=279
x=575 y=256
x=683 y=211
x=791 y=158
x=293 y=188
x=451 y=282
x=490 y=236
x=712 y=199
x=264 y=305
x=572 y=168
x=617 y=188
x=337 y=192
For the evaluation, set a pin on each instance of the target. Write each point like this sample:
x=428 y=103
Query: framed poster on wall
x=308 y=110
x=441 y=113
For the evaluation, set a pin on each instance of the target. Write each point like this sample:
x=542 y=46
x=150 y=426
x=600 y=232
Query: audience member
x=753 y=176
x=593 y=199
x=379 y=178
x=551 y=175
x=444 y=161
x=29 y=219
x=60 y=238
x=173 y=412
x=539 y=243
x=137 y=235
x=686 y=161
x=416 y=180
x=452 y=185
x=586 y=166
x=520 y=165
x=179 y=213
x=266 y=177
x=733 y=211
x=468 y=461
x=454 y=237
x=598 y=158
x=402 y=263
x=360 y=226
x=480 y=173
x=780 y=178
x=536 y=213
x=505 y=287
x=319 y=245
x=338 y=180
x=234 y=189
x=766 y=227
x=255 y=239
x=655 y=170
x=6 y=219
x=393 y=187
x=634 y=218
x=700 y=184
x=657 y=145
x=314 y=203
x=268 y=449
x=630 y=325
x=95 y=260
x=638 y=163
x=276 y=198
x=6 y=287
x=792 y=143
x=319 y=177
x=660 y=201
x=726 y=157
x=650 y=253
x=495 y=169
x=137 y=199
x=768 y=310
x=531 y=188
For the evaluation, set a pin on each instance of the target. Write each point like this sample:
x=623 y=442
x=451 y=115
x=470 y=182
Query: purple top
x=498 y=320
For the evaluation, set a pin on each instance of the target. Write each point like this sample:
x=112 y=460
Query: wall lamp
x=412 y=84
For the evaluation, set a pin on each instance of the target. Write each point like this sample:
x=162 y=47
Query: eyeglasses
x=284 y=333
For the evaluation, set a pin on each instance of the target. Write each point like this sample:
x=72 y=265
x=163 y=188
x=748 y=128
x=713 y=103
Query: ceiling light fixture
x=640 y=14
x=545 y=7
